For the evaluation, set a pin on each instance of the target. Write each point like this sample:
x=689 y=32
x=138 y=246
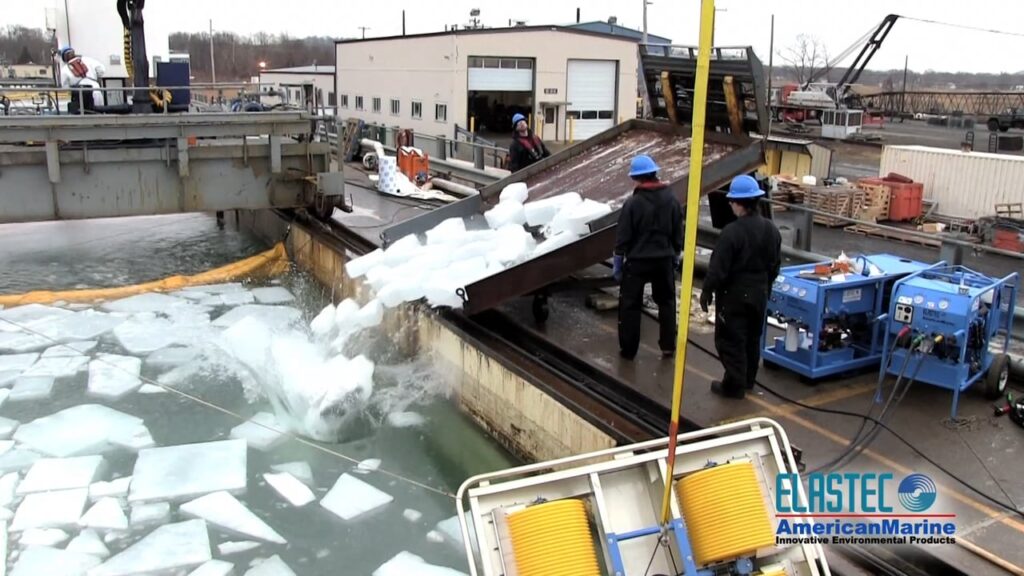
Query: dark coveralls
x=743 y=267
x=650 y=236
x=525 y=150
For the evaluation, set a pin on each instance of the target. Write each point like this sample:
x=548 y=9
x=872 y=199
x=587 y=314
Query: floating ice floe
x=412 y=515
x=149 y=514
x=8 y=485
x=151 y=389
x=105 y=514
x=259 y=432
x=38 y=560
x=236 y=298
x=273 y=295
x=289 y=487
x=300 y=470
x=17 y=460
x=114 y=488
x=49 y=474
x=140 y=337
x=42 y=537
x=76 y=348
x=225 y=511
x=58 y=366
x=221 y=288
x=17 y=362
x=60 y=509
x=27 y=388
x=84 y=325
x=214 y=568
x=351 y=497
x=189 y=470
x=229 y=548
x=272 y=566
x=80 y=430
x=112 y=376
x=169 y=548
x=407 y=563
x=88 y=542
x=148 y=302
x=7 y=427
x=277 y=317
x=171 y=357
x=12 y=319
x=405 y=420
x=368 y=465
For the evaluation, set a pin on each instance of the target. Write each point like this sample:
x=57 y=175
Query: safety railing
x=57 y=100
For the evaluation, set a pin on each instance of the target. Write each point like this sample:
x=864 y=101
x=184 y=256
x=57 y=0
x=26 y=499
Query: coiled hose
x=553 y=538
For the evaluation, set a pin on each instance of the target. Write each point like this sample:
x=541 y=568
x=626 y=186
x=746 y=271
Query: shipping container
x=963 y=184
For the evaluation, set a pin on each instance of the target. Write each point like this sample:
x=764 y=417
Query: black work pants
x=739 y=321
x=637 y=273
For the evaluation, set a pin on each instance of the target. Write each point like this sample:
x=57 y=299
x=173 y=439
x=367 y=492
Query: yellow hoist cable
x=726 y=512
x=128 y=53
x=268 y=264
x=553 y=538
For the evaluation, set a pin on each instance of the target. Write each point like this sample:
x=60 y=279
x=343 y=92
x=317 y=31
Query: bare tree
x=807 y=57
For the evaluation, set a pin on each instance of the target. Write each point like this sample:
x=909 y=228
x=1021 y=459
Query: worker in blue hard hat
x=649 y=241
x=82 y=72
x=743 y=267
x=526 y=147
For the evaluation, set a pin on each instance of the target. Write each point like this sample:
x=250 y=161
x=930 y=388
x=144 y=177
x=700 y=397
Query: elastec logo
x=859 y=508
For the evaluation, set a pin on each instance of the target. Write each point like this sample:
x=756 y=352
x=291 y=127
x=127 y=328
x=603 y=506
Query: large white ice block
x=70 y=349
x=323 y=322
x=276 y=317
x=79 y=430
x=42 y=537
x=272 y=566
x=235 y=298
x=214 y=568
x=115 y=488
x=60 y=509
x=112 y=375
x=61 y=474
x=223 y=288
x=361 y=265
x=8 y=484
x=39 y=560
x=289 y=487
x=447 y=231
x=225 y=511
x=140 y=337
x=171 y=357
x=505 y=213
x=272 y=295
x=563 y=238
x=301 y=470
x=259 y=432
x=148 y=302
x=17 y=460
x=58 y=366
x=89 y=542
x=407 y=564
x=13 y=362
x=105 y=514
x=351 y=497
x=28 y=315
x=514 y=192
x=542 y=212
x=401 y=251
x=167 y=549
x=186 y=471
x=148 y=514
x=28 y=388
x=574 y=218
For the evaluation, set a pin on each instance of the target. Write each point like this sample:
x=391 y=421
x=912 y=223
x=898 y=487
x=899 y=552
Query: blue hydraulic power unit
x=835 y=323
x=946 y=318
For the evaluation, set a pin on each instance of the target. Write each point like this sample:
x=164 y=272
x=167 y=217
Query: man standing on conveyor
x=647 y=249
x=743 y=267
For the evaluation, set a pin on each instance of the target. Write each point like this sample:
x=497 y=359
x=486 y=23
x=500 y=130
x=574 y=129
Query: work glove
x=617 y=267
x=706 y=296
x=677 y=262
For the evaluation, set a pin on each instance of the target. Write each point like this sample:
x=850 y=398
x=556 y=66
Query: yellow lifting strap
x=128 y=53
x=268 y=264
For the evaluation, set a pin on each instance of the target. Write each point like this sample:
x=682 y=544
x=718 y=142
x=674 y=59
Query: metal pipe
x=455 y=187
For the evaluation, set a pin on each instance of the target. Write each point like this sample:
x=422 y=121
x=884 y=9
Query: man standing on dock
x=526 y=147
x=647 y=248
x=743 y=267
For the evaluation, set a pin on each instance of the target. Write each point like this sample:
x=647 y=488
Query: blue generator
x=834 y=322
x=943 y=325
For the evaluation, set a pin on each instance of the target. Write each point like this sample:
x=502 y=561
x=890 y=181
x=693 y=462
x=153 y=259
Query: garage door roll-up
x=591 y=96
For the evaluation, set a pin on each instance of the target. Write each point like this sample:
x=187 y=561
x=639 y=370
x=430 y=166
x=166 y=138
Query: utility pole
x=213 y=65
x=363 y=29
x=646 y=4
x=903 y=97
x=771 y=71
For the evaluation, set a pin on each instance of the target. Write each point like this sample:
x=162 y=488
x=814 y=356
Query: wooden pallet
x=840 y=201
x=876 y=200
x=887 y=234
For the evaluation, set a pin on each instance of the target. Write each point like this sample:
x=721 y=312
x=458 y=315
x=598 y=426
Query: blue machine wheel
x=998 y=376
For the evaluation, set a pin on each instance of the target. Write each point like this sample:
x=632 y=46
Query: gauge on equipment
x=918 y=299
x=943 y=304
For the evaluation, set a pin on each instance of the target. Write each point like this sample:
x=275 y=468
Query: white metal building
x=433 y=82
x=285 y=85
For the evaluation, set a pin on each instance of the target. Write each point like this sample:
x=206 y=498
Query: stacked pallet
x=876 y=202
x=791 y=191
x=837 y=200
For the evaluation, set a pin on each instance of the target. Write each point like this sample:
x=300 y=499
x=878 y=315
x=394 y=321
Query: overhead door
x=500 y=74
x=591 y=96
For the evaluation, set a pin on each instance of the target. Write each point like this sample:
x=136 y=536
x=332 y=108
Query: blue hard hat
x=516 y=118
x=744 y=187
x=642 y=164
x=64 y=49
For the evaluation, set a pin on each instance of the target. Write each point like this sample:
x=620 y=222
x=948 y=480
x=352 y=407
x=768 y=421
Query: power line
x=964 y=26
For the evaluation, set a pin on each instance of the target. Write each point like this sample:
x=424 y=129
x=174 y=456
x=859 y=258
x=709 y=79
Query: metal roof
x=314 y=69
x=601 y=27
x=551 y=28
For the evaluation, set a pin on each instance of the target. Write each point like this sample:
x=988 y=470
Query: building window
x=506 y=63
x=332 y=99
x=376 y=104
x=344 y=100
x=396 y=107
x=417 y=109
x=441 y=112
x=359 y=103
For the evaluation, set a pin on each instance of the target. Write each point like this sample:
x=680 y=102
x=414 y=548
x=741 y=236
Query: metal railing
x=48 y=100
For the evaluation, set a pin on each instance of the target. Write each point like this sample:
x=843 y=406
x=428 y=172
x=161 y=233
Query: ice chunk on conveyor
x=450 y=230
x=402 y=250
x=167 y=549
x=360 y=266
x=351 y=497
x=514 y=192
x=189 y=470
x=563 y=238
x=79 y=430
x=225 y=512
x=505 y=213
x=541 y=212
x=574 y=218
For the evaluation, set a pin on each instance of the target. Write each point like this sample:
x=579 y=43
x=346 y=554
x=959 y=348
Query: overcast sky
x=741 y=22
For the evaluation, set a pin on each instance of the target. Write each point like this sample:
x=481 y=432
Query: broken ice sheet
x=229 y=548
x=27 y=388
x=8 y=484
x=259 y=433
x=412 y=515
x=38 y=560
x=275 y=317
x=235 y=298
x=214 y=568
x=12 y=319
x=17 y=459
x=88 y=542
x=189 y=470
x=351 y=497
x=58 y=366
x=84 y=325
x=301 y=470
x=368 y=465
x=215 y=288
x=272 y=295
x=77 y=348
x=79 y=430
x=272 y=566
x=225 y=511
x=169 y=548
x=61 y=474
x=60 y=509
x=146 y=514
x=7 y=427
x=289 y=487
x=112 y=376
x=16 y=362
x=140 y=337
x=171 y=357
x=105 y=514
x=405 y=419
x=406 y=564
x=115 y=488
x=148 y=302
x=42 y=537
